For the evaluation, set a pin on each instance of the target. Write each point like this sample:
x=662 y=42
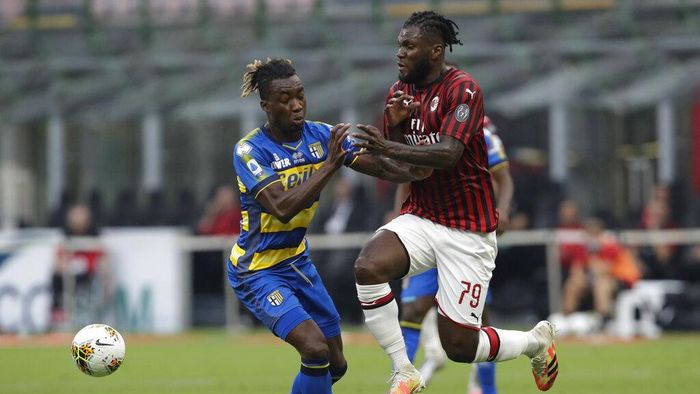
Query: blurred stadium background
x=131 y=109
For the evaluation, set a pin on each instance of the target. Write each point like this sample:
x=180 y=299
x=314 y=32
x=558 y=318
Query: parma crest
x=316 y=150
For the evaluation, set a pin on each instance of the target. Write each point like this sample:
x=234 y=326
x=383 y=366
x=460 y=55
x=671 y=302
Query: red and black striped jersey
x=461 y=197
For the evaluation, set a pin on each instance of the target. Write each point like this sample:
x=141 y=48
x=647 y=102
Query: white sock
x=496 y=344
x=382 y=318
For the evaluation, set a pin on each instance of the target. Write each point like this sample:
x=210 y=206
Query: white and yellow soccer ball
x=98 y=350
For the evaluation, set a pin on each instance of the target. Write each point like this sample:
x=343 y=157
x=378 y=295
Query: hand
x=399 y=108
x=336 y=153
x=420 y=173
x=371 y=141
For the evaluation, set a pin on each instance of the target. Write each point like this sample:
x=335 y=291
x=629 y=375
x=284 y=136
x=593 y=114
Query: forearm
x=298 y=198
x=503 y=183
x=436 y=156
x=505 y=197
x=384 y=168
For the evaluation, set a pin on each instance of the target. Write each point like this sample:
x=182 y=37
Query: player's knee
x=315 y=349
x=366 y=271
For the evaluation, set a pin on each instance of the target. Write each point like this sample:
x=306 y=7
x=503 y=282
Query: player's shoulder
x=317 y=130
x=249 y=142
x=398 y=85
x=457 y=77
x=316 y=126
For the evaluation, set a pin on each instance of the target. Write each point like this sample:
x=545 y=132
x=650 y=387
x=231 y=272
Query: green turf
x=220 y=363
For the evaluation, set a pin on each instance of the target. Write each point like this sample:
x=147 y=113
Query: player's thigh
x=271 y=297
x=466 y=261
x=314 y=298
x=398 y=248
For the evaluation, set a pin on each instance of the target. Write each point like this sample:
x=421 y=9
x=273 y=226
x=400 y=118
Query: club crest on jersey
x=462 y=113
x=275 y=298
x=434 y=103
x=316 y=150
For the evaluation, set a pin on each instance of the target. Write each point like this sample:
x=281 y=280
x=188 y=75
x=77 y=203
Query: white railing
x=550 y=239
x=186 y=244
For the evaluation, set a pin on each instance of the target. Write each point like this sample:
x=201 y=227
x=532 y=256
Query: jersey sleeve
x=496 y=152
x=252 y=169
x=465 y=114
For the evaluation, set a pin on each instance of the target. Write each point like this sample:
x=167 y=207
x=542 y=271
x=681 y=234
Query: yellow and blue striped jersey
x=260 y=161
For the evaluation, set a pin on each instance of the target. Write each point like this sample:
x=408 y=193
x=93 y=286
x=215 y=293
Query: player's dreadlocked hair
x=435 y=23
x=259 y=75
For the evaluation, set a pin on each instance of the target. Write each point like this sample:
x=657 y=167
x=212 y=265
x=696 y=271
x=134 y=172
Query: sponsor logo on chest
x=418 y=136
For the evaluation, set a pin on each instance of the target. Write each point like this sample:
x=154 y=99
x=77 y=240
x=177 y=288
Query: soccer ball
x=98 y=350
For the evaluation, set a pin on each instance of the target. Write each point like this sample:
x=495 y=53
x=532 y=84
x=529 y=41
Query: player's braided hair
x=259 y=75
x=430 y=21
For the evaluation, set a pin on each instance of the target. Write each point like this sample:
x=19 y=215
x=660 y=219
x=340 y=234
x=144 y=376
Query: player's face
x=286 y=104
x=414 y=55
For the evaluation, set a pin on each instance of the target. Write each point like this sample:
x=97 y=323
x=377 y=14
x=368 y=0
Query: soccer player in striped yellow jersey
x=282 y=166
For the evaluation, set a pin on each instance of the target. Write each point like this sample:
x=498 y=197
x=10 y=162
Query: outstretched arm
x=285 y=204
x=389 y=169
x=441 y=155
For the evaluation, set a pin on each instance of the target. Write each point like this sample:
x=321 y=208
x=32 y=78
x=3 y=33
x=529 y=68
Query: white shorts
x=465 y=262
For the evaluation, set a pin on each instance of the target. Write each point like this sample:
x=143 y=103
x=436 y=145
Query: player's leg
x=389 y=254
x=270 y=296
x=460 y=302
x=313 y=376
x=482 y=379
x=417 y=297
x=317 y=302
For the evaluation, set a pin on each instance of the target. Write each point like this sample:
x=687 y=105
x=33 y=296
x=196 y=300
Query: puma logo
x=475 y=316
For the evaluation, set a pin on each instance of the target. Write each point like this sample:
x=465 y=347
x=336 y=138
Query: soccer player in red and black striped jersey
x=434 y=118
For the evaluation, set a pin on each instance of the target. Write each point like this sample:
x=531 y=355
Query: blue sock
x=411 y=335
x=487 y=377
x=313 y=378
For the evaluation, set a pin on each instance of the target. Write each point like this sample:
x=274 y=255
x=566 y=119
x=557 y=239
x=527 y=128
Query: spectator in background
x=222 y=215
x=660 y=261
x=80 y=283
x=606 y=266
x=570 y=253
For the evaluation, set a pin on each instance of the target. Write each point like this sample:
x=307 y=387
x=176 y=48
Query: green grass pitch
x=216 y=362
